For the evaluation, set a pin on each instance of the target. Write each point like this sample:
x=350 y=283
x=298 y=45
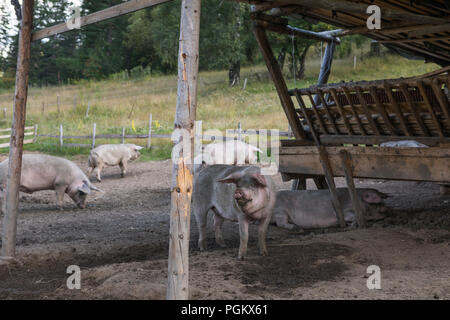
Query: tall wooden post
x=180 y=215
x=17 y=133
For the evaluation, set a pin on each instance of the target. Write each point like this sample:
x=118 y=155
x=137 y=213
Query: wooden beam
x=347 y=167
x=340 y=139
x=360 y=8
x=280 y=84
x=11 y=204
x=429 y=30
x=112 y=12
x=181 y=193
x=430 y=39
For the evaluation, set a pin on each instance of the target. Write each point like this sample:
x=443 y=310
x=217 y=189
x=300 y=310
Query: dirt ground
x=120 y=242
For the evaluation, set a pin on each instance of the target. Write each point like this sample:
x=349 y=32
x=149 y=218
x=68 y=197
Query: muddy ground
x=120 y=241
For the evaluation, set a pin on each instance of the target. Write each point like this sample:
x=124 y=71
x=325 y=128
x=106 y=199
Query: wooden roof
x=414 y=28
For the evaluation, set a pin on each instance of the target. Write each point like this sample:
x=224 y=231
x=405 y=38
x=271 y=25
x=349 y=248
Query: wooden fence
x=29 y=131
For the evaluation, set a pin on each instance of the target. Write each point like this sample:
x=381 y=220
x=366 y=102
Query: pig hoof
x=264 y=253
x=201 y=246
x=241 y=258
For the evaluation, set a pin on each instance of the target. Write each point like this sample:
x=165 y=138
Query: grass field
x=127 y=102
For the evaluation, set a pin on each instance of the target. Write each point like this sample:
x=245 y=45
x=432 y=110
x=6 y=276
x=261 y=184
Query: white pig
x=44 y=172
x=112 y=155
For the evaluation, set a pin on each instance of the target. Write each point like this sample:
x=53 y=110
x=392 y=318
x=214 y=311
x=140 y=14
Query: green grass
x=117 y=103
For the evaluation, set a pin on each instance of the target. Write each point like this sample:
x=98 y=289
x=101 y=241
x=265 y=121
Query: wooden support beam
x=363 y=103
x=397 y=110
x=341 y=111
x=360 y=8
x=112 y=12
x=11 y=204
x=347 y=167
x=430 y=108
x=415 y=40
x=340 y=139
x=181 y=193
x=280 y=84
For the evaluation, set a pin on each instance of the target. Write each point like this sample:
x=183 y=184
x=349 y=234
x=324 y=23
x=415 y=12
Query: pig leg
x=243 y=235
x=262 y=231
x=99 y=170
x=218 y=220
x=60 y=190
x=123 y=167
x=201 y=218
x=282 y=221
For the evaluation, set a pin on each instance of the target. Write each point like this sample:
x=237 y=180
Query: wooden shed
x=339 y=127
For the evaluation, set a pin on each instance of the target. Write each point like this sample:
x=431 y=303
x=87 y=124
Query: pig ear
x=138 y=148
x=232 y=178
x=84 y=188
x=260 y=179
x=372 y=196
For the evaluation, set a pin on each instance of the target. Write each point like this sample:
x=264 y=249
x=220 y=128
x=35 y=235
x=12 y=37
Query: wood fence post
x=87 y=110
x=93 y=135
x=43 y=107
x=181 y=189
x=123 y=135
x=239 y=131
x=4 y=113
x=11 y=200
x=61 y=136
x=149 y=141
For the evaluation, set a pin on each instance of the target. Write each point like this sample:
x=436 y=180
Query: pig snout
x=238 y=195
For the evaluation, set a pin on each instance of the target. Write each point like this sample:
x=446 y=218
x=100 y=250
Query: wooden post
x=17 y=134
x=35 y=132
x=123 y=135
x=180 y=215
x=4 y=113
x=61 y=136
x=149 y=141
x=74 y=103
x=245 y=84
x=347 y=166
x=43 y=107
x=93 y=135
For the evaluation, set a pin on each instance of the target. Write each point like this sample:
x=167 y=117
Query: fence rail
x=27 y=133
x=148 y=136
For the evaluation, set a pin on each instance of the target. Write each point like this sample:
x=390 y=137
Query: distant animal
x=112 y=155
x=309 y=209
x=231 y=152
x=44 y=172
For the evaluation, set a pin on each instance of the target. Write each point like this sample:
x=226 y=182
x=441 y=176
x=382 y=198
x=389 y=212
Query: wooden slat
x=430 y=108
x=308 y=119
x=398 y=112
x=367 y=111
x=411 y=104
x=327 y=111
x=443 y=101
x=355 y=114
x=382 y=111
x=112 y=12
x=318 y=116
x=5 y=145
x=342 y=112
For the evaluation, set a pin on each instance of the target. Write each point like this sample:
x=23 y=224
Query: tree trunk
x=234 y=73
x=282 y=58
x=301 y=71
